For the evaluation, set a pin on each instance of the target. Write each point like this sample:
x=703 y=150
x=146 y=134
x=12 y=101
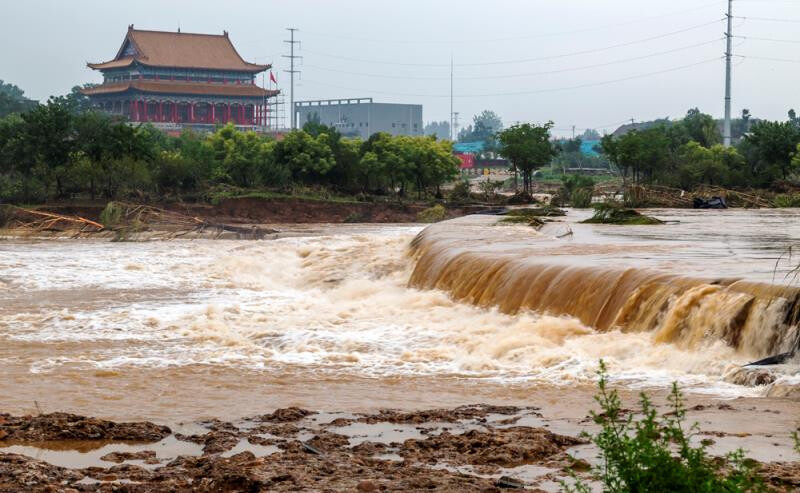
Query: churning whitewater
x=468 y=300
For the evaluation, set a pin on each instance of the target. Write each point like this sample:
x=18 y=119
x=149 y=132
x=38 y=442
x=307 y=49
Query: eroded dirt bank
x=468 y=448
x=282 y=210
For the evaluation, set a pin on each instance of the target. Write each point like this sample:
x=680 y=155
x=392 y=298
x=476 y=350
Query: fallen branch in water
x=125 y=221
x=37 y=221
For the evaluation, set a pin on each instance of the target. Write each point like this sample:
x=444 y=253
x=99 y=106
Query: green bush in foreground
x=648 y=453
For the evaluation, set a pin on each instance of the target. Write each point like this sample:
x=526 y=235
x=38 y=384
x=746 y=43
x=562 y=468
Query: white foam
x=334 y=304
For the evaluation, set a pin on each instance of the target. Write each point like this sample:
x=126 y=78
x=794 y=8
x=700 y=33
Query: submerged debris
x=35 y=221
x=615 y=213
x=532 y=216
x=124 y=222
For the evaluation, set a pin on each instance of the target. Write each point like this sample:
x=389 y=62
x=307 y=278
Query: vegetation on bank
x=688 y=153
x=55 y=152
x=62 y=150
x=642 y=451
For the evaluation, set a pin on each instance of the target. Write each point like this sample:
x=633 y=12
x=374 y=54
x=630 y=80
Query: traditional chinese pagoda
x=176 y=79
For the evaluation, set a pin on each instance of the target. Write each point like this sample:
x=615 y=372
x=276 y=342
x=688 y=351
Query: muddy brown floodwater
x=358 y=318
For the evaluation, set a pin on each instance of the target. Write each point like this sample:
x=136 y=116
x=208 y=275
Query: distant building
x=176 y=79
x=362 y=117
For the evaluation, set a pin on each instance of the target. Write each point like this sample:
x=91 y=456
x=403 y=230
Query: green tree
x=308 y=158
x=13 y=100
x=774 y=144
x=709 y=166
x=47 y=140
x=702 y=128
x=238 y=156
x=439 y=129
x=79 y=102
x=528 y=147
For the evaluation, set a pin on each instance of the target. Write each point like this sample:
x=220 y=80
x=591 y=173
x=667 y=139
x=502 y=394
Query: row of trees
x=688 y=152
x=55 y=151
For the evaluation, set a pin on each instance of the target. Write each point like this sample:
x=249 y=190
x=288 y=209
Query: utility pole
x=291 y=56
x=573 y=132
x=455 y=126
x=726 y=129
x=452 y=115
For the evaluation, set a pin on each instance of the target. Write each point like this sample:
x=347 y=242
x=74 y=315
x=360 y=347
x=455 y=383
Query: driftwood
x=126 y=220
x=134 y=218
x=661 y=196
x=34 y=221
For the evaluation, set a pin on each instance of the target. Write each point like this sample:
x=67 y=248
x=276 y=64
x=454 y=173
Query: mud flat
x=466 y=448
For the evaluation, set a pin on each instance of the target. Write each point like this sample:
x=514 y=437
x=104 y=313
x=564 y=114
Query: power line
x=521 y=93
x=775 y=40
x=512 y=38
x=768 y=19
x=528 y=74
x=773 y=59
x=524 y=60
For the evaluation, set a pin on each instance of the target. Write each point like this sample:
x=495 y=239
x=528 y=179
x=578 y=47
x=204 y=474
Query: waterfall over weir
x=757 y=319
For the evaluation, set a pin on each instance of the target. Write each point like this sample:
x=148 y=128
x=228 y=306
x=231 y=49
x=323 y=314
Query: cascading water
x=756 y=319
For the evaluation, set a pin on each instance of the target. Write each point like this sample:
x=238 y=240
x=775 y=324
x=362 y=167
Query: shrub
x=111 y=215
x=6 y=215
x=461 y=191
x=581 y=198
x=647 y=453
x=432 y=215
x=614 y=213
x=787 y=200
x=355 y=217
x=546 y=210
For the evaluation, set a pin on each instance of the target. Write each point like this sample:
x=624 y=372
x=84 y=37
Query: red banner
x=467 y=160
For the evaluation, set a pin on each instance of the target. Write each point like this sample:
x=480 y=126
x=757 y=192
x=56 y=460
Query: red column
x=228 y=113
x=160 y=111
x=241 y=115
x=145 y=113
x=214 y=113
x=191 y=112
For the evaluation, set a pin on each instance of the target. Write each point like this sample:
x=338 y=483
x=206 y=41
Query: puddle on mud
x=79 y=454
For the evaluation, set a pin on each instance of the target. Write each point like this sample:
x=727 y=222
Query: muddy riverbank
x=466 y=448
x=255 y=210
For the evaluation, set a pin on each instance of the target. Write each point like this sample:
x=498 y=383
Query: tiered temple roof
x=179 y=50
x=181 y=78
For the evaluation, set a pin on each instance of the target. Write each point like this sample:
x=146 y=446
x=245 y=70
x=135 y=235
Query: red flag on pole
x=272 y=77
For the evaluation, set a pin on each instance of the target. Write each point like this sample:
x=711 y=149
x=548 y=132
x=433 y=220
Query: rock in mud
x=442 y=415
x=63 y=426
x=148 y=456
x=287 y=415
x=507 y=447
x=21 y=473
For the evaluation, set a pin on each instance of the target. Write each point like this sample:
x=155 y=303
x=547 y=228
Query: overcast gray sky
x=587 y=63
